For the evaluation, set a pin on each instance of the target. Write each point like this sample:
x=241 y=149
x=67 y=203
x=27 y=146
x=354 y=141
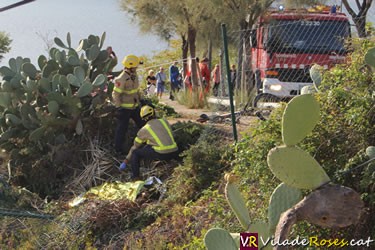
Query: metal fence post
x=230 y=87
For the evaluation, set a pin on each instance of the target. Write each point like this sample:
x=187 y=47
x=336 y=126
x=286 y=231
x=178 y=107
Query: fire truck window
x=307 y=36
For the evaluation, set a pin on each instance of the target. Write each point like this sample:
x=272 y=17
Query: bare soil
x=244 y=123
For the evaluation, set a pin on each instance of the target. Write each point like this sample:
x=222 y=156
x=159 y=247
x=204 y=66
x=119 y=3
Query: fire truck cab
x=286 y=43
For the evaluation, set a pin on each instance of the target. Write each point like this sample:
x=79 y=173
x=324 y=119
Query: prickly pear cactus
x=370 y=152
x=296 y=168
x=236 y=201
x=264 y=235
x=299 y=119
x=370 y=57
x=282 y=198
x=308 y=90
x=316 y=75
x=219 y=239
x=49 y=98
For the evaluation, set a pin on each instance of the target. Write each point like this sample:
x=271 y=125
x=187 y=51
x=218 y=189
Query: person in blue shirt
x=161 y=78
x=174 y=74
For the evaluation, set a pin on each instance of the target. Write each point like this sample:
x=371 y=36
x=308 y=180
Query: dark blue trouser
x=123 y=116
x=147 y=152
x=174 y=88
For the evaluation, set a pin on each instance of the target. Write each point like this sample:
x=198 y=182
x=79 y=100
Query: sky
x=32 y=24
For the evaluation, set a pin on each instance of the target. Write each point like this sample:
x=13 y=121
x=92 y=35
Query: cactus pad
x=370 y=57
x=237 y=204
x=370 y=152
x=296 y=168
x=316 y=75
x=5 y=99
x=99 y=80
x=236 y=238
x=29 y=70
x=262 y=229
x=299 y=119
x=219 y=239
x=282 y=198
x=307 y=90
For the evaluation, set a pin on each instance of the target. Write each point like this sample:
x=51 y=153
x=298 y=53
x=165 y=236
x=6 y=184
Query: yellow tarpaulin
x=112 y=191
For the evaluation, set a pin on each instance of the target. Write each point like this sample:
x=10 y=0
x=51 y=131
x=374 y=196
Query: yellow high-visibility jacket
x=156 y=133
x=126 y=90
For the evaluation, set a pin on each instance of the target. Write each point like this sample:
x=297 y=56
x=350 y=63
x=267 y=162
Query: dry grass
x=99 y=163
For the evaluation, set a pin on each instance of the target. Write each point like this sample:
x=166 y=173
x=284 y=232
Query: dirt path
x=244 y=123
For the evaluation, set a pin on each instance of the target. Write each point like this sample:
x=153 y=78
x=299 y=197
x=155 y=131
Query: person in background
x=233 y=76
x=112 y=60
x=205 y=75
x=151 y=83
x=216 y=78
x=174 y=79
x=127 y=98
x=161 y=78
x=154 y=141
x=187 y=81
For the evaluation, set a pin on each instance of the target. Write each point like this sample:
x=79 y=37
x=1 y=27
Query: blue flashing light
x=281 y=8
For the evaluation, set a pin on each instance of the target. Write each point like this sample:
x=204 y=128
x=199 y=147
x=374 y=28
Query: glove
x=122 y=166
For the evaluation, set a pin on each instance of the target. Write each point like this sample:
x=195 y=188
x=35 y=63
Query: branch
x=332 y=206
x=364 y=8
x=358 y=4
x=348 y=8
x=186 y=14
x=15 y=5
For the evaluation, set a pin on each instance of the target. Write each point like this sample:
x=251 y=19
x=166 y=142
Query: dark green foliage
x=186 y=134
x=203 y=164
x=166 y=110
x=4 y=44
x=250 y=159
x=43 y=108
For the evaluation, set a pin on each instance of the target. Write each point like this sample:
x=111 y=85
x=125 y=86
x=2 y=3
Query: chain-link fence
x=280 y=50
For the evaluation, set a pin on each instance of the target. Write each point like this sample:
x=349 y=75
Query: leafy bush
x=202 y=165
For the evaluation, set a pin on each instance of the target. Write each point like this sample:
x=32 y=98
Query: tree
x=359 y=18
x=173 y=17
x=4 y=44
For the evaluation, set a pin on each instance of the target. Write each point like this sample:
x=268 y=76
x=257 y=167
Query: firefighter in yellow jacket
x=126 y=96
x=153 y=141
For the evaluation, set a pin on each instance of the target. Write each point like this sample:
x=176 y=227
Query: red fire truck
x=286 y=43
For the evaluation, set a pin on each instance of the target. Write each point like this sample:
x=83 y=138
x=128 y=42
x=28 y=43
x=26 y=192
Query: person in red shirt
x=205 y=74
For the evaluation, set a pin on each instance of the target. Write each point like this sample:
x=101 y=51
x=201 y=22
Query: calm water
x=31 y=25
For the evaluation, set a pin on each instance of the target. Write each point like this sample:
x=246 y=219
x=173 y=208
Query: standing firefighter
x=126 y=96
x=153 y=141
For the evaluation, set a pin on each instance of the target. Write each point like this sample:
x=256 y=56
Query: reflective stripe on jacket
x=126 y=91
x=158 y=134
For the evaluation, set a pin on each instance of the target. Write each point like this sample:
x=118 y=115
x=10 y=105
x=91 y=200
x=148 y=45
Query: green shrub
x=202 y=165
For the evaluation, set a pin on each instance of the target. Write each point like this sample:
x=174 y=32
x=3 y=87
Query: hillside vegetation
x=48 y=167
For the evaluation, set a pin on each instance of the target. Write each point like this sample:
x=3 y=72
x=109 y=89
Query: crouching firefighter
x=153 y=141
x=126 y=96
